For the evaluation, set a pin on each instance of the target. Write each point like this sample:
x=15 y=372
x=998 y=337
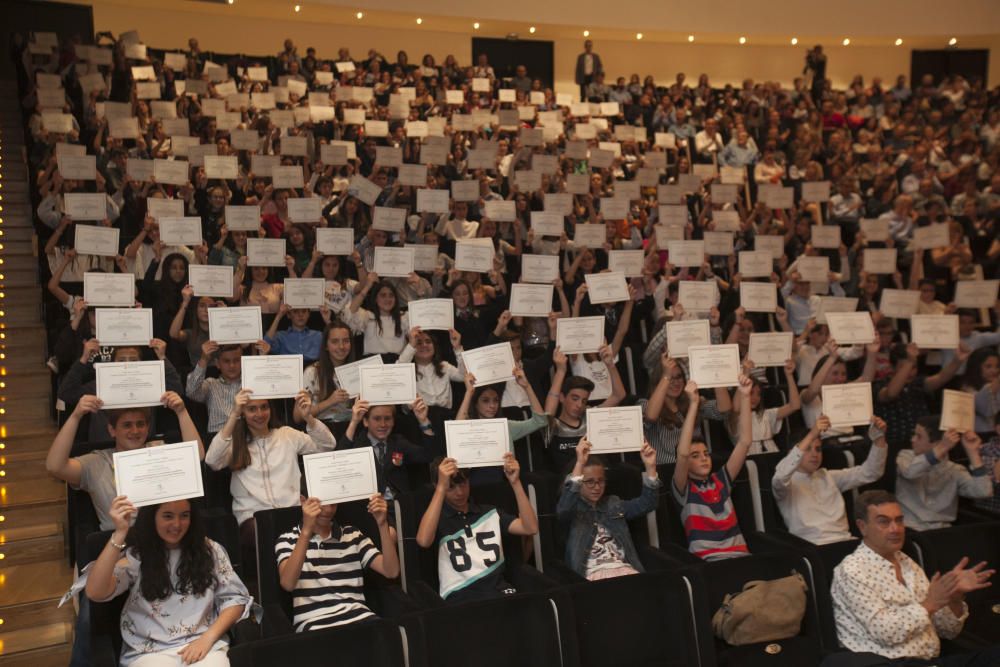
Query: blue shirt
x=306 y=342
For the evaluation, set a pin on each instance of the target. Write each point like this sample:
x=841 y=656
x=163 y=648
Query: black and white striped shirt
x=330 y=590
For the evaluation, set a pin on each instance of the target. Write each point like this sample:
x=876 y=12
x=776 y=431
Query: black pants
x=987 y=657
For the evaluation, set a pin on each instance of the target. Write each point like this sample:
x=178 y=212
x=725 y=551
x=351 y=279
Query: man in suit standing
x=588 y=66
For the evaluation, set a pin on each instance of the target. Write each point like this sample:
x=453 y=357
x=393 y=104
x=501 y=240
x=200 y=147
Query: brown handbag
x=764 y=611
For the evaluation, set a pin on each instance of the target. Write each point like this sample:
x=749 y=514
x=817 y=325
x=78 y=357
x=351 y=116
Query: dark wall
x=25 y=16
x=506 y=54
x=942 y=63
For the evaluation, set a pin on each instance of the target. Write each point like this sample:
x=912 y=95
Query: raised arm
x=819 y=375
x=177 y=324
x=526 y=522
x=901 y=376
x=555 y=391
x=101 y=582
x=739 y=454
x=432 y=515
x=794 y=403
x=290 y=569
x=948 y=371
x=58 y=462
x=617 y=387
x=654 y=406
x=687 y=432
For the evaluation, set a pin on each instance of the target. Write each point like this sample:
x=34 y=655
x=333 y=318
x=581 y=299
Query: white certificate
x=431 y=314
x=935 y=332
x=848 y=404
x=230 y=326
x=341 y=476
x=243 y=218
x=465 y=190
x=393 y=262
x=853 y=328
x=349 y=375
x=130 y=383
x=335 y=241
x=875 y=229
x=686 y=253
x=976 y=293
x=539 y=268
x=287 y=176
x=413 y=175
x=265 y=252
x=580 y=335
x=770 y=349
x=528 y=300
x=171 y=172
x=165 y=208
x=124 y=326
x=432 y=201
x=477 y=443
x=304 y=292
x=718 y=243
x=425 y=257
x=958 y=411
x=697 y=296
x=211 y=280
x=755 y=263
x=714 y=365
x=608 y=287
x=78 y=167
x=590 y=236
x=615 y=429
x=818 y=191
x=815 y=269
x=773 y=245
x=490 y=363
x=96 y=240
x=85 y=205
x=162 y=474
x=389 y=219
x=305 y=209
x=758 y=297
x=547 y=223
x=474 y=256
x=665 y=234
x=835 y=304
x=498 y=210
x=613 y=208
x=390 y=384
x=629 y=262
x=825 y=236
x=931 y=236
x=899 y=302
x=683 y=334
x=109 y=289
x=879 y=260
x=221 y=166
x=181 y=231
x=272 y=376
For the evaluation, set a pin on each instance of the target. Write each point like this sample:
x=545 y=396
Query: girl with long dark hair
x=383 y=323
x=331 y=403
x=183 y=593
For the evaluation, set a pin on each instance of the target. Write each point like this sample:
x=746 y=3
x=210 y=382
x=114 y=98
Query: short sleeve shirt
x=470 y=550
x=97 y=478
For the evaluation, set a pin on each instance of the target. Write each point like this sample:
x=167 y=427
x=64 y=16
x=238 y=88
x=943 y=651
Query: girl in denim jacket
x=599 y=544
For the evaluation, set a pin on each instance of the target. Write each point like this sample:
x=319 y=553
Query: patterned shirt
x=709 y=517
x=330 y=590
x=876 y=613
x=218 y=395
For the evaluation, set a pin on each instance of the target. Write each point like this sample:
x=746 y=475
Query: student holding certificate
x=195 y=334
x=705 y=496
x=129 y=430
x=928 y=484
x=434 y=375
x=334 y=564
x=766 y=421
x=219 y=393
x=263 y=458
x=831 y=369
x=469 y=536
x=599 y=545
x=298 y=338
x=901 y=399
x=331 y=403
x=567 y=403
x=383 y=323
x=174 y=572
x=982 y=379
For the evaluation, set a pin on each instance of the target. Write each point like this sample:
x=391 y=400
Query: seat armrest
x=275 y=623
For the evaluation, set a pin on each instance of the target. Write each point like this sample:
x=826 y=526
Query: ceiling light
x=690 y=38
x=419 y=21
x=475 y=26
x=638 y=35
x=847 y=41
x=360 y=15
x=952 y=42
x=795 y=40
x=532 y=30
x=743 y=40
x=586 y=33
x=298 y=8
x=899 y=41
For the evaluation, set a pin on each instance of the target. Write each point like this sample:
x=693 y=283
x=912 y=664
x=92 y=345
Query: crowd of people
x=667 y=188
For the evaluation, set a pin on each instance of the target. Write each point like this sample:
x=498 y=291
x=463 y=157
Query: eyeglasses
x=594 y=483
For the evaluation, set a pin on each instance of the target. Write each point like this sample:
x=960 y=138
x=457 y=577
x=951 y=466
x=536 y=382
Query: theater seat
x=649 y=614
x=372 y=644
x=712 y=581
x=517 y=630
x=942 y=549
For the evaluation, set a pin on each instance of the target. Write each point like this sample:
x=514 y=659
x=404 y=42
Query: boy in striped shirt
x=321 y=563
x=707 y=511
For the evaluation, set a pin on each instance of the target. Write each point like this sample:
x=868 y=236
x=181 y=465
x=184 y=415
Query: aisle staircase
x=33 y=567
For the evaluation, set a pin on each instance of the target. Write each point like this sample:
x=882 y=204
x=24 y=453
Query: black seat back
x=370 y=644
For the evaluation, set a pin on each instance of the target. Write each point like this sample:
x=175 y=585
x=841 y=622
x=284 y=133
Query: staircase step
x=33 y=582
x=18 y=262
x=23 y=466
x=14 y=247
x=31 y=550
x=26 y=407
x=34 y=614
x=52 y=656
x=31 y=492
x=17 y=517
x=28 y=639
